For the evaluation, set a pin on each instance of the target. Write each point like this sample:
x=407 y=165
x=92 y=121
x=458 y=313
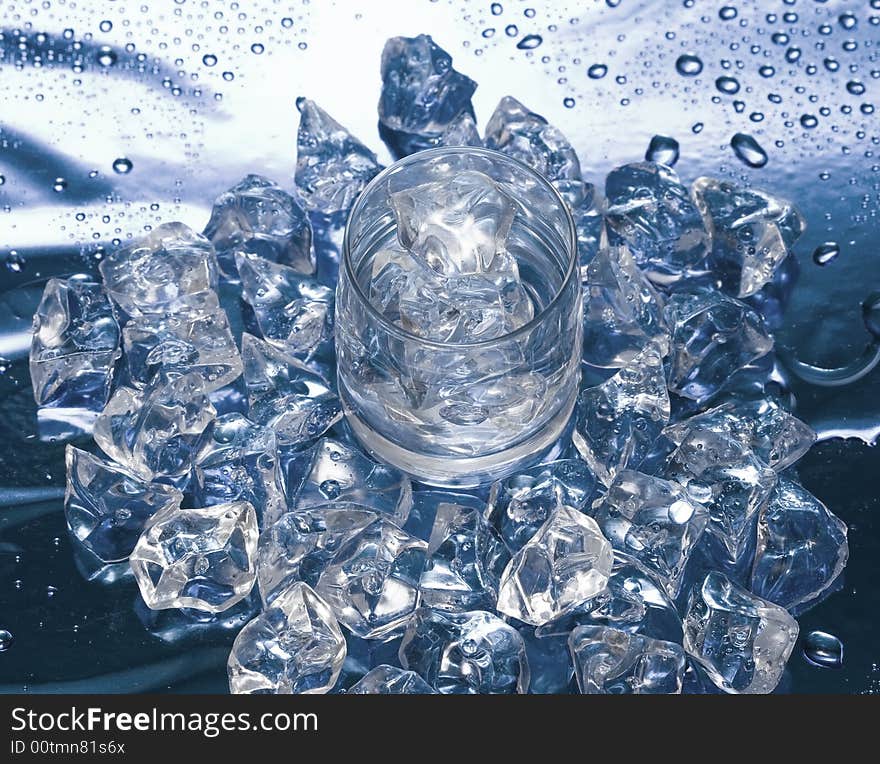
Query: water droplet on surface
x=823 y=650
x=689 y=65
x=209 y=59
x=825 y=253
x=106 y=56
x=2 y=179
x=15 y=262
x=597 y=71
x=530 y=42
x=59 y=185
x=106 y=25
x=511 y=30
x=568 y=102
x=122 y=166
x=6 y=640
x=729 y=85
x=809 y=121
x=257 y=48
x=748 y=150
x=727 y=13
x=496 y=9
x=663 y=149
x=855 y=87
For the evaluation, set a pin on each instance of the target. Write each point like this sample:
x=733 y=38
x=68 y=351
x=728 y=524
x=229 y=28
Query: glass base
x=456 y=471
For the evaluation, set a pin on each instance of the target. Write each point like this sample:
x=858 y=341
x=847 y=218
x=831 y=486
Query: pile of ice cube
x=666 y=547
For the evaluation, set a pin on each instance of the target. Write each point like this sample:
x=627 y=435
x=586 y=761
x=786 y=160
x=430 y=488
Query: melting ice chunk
x=802 y=547
x=107 y=507
x=332 y=166
x=612 y=662
x=74 y=346
x=160 y=272
x=422 y=95
x=565 y=563
x=294 y=647
x=752 y=232
x=741 y=640
x=622 y=311
x=203 y=559
x=390 y=680
x=462 y=131
x=473 y=653
x=259 y=217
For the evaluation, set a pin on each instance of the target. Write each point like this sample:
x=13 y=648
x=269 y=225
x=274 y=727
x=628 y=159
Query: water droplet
x=511 y=30
x=59 y=185
x=106 y=56
x=597 y=71
x=287 y=22
x=729 y=85
x=697 y=127
x=766 y=71
x=201 y=565
x=825 y=253
x=228 y=76
x=489 y=32
x=15 y=262
x=2 y=179
x=855 y=87
x=848 y=20
x=689 y=65
x=871 y=313
x=496 y=9
x=823 y=650
x=792 y=55
x=809 y=121
x=831 y=64
x=122 y=165
x=662 y=149
x=748 y=150
x=257 y=48
x=530 y=42
x=6 y=640
x=568 y=102
x=209 y=59
x=51 y=591
x=727 y=13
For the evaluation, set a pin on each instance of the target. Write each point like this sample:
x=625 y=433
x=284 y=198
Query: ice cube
x=458 y=225
x=426 y=503
x=294 y=313
x=372 y=582
x=240 y=462
x=741 y=640
x=617 y=422
x=298 y=546
x=257 y=216
x=160 y=272
x=285 y=395
x=654 y=521
x=106 y=507
x=763 y=426
x=565 y=563
x=728 y=479
x=518 y=132
x=622 y=310
x=651 y=212
x=422 y=95
x=612 y=662
x=74 y=346
x=465 y=560
x=473 y=653
x=520 y=505
x=802 y=547
x=186 y=341
x=201 y=558
x=390 y=680
x=294 y=647
x=157 y=431
x=713 y=336
x=752 y=232
x=462 y=131
x=332 y=166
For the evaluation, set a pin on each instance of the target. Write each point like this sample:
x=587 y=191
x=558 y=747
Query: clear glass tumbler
x=463 y=410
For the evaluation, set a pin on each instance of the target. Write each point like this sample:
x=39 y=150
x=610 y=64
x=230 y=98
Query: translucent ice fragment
x=651 y=212
x=728 y=479
x=422 y=95
x=107 y=507
x=654 y=521
x=473 y=653
x=298 y=546
x=617 y=422
x=294 y=312
x=622 y=311
x=763 y=426
x=612 y=662
x=713 y=336
x=518 y=132
x=74 y=346
x=565 y=563
x=462 y=131
x=426 y=504
x=752 y=232
x=332 y=166
x=465 y=560
x=802 y=547
x=390 y=680
x=372 y=582
x=203 y=559
x=188 y=340
x=158 y=430
x=293 y=647
x=161 y=271
x=456 y=226
x=257 y=216
x=286 y=395
x=741 y=640
x=239 y=462
x=520 y=505
x=342 y=473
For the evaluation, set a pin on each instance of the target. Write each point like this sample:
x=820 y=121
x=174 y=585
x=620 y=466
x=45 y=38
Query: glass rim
x=572 y=269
